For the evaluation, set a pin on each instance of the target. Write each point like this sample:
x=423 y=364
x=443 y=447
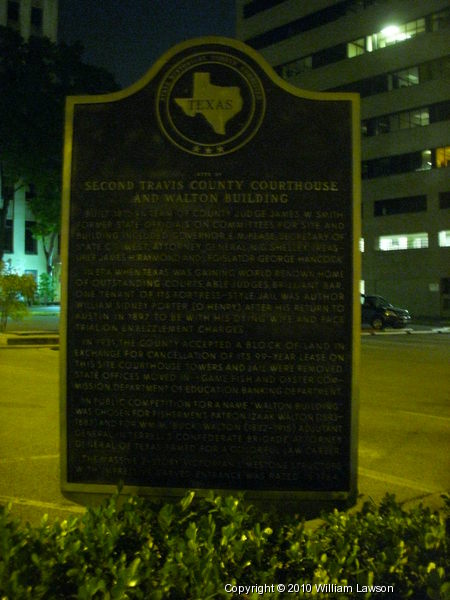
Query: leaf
x=445 y=591
x=132 y=579
x=191 y=531
x=165 y=517
x=187 y=500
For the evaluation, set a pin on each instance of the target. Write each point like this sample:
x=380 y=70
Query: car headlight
x=389 y=313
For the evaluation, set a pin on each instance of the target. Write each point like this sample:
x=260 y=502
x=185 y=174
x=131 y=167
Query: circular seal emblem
x=210 y=103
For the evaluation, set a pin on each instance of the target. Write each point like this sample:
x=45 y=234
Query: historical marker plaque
x=210 y=258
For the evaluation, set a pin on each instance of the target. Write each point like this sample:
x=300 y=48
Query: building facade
x=24 y=254
x=31 y=17
x=396 y=55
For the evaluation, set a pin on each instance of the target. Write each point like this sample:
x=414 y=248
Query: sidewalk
x=30 y=452
x=30 y=477
x=47 y=318
x=39 y=328
x=42 y=318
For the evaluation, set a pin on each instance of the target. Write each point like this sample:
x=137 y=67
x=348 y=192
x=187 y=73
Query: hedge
x=221 y=547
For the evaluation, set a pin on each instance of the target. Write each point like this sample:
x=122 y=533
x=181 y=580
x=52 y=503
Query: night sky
x=127 y=36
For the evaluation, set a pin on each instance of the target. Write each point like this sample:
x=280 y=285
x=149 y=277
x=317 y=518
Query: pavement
x=26 y=473
x=41 y=327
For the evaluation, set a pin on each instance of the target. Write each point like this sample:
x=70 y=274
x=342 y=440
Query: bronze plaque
x=211 y=289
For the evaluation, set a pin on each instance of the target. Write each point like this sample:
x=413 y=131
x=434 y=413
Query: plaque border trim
x=83 y=492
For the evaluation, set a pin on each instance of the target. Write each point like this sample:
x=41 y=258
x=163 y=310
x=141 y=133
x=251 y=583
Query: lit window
x=442 y=157
x=406 y=241
x=404 y=78
x=393 y=34
x=426 y=163
x=396 y=242
x=444 y=239
x=389 y=35
x=420 y=117
x=361 y=244
x=356 y=48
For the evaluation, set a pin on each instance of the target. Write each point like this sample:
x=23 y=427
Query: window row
x=411 y=241
x=407 y=241
x=398 y=206
x=424 y=160
x=438 y=69
x=306 y=23
x=30 y=242
x=388 y=36
x=418 y=117
x=407 y=204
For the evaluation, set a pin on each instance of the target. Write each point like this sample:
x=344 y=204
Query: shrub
x=194 y=548
x=46 y=288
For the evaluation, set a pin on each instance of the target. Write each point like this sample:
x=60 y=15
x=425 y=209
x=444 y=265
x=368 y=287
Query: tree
x=35 y=78
x=16 y=292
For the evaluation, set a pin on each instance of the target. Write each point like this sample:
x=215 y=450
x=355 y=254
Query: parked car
x=379 y=313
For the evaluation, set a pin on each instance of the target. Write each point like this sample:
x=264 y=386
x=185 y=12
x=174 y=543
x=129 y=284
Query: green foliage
x=16 y=291
x=135 y=548
x=46 y=290
x=36 y=76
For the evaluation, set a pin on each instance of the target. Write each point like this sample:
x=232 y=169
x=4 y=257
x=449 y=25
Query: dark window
x=30 y=241
x=440 y=112
x=329 y=55
x=444 y=199
x=418 y=117
x=30 y=192
x=9 y=236
x=36 y=20
x=397 y=206
x=393 y=165
x=254 y=7
x=440 y=20
x=432 y=70
x=311 y=21
x=365 y=87
x=257 y=6
x=13 y=11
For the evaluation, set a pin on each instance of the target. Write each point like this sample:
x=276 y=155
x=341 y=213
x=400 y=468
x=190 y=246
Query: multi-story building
x=396 y=55
x=24 y=253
